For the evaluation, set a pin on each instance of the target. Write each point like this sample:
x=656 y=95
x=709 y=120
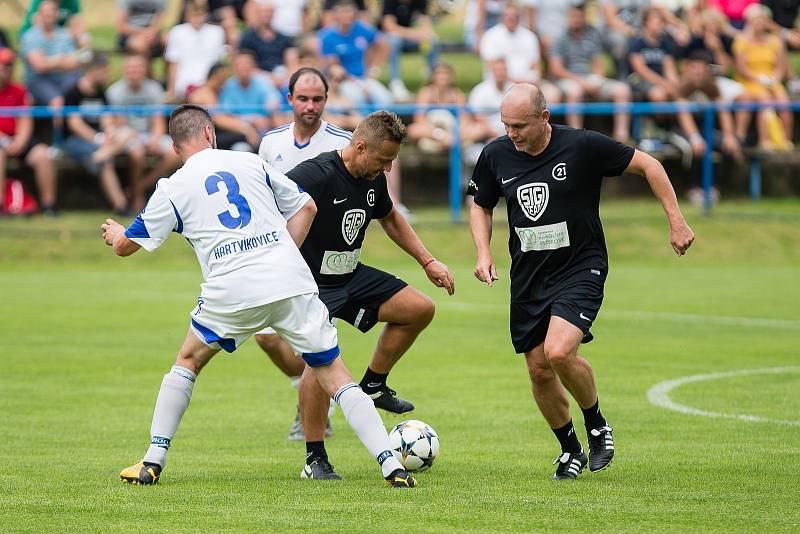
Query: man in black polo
x=550 y=177
x=349 y=189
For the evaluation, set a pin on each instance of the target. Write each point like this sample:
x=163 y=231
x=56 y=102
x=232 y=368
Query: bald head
x=524 y=113
x=525 y=98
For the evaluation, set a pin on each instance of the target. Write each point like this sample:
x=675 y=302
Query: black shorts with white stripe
x=358 y=301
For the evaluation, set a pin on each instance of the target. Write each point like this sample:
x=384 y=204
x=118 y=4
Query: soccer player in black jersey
x=349 y=188
x=550 y=177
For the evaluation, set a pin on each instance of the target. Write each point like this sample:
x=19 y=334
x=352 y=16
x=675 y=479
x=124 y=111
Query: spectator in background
x=484 y=100
x=138 y=26
x=270 y=48
x=291 y=18
x=68 y=17
x=550 y=20
x=480 y=15
x=519 y=47
x=136 y=90
x=407 y=27
x=233 y=133
x=654 y=74
x=576 y=60
x=225 y=14
x=17 y=141
x=711 y=33
x=192 y=48
x=698 y=84
x=91 y=141
x=760 y=67
x=622 y=21
x=361 y=50
x=254 y=93
x=432 y=128
x=50 y=57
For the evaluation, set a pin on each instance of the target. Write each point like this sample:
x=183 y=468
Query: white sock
x=360 y=412
x=295 y=381
x=172 y=401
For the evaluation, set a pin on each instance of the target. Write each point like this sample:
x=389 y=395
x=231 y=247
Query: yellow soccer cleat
x=141 y=473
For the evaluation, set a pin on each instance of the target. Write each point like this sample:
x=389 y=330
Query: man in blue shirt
x=271 y=48
x=51 y=59
x=254 y=92
x=361 y=50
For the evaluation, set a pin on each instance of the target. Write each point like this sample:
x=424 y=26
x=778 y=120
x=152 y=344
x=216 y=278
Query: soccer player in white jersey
x=284 y=147
x=245 y=221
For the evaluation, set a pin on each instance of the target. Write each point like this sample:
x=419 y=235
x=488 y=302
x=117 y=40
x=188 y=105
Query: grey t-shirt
x=150 y=93
x=141 y=12
x=577 y=53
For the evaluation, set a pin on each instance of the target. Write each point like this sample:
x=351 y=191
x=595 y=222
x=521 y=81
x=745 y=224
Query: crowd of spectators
x=239 y=54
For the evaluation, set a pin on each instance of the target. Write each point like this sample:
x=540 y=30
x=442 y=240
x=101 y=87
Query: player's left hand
x=111 y=229
x=681 y=238
x=439 y=274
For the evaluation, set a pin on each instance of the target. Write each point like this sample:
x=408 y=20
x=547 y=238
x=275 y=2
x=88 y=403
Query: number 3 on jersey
x=238 y=203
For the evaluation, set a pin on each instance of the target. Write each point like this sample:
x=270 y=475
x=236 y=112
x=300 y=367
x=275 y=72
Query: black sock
x=315 y=449
x=592 y=417
x=566 y=436
x=372 y=381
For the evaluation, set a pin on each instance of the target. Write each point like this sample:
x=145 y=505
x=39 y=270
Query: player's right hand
x=486 y=271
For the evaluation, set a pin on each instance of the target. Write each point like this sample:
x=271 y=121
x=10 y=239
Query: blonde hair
x=754 y=11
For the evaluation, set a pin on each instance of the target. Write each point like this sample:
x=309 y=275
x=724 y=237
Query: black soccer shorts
x=576 y=300
x=358 y=301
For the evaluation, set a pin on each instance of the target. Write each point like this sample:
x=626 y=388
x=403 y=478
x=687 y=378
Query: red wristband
x=428 y=262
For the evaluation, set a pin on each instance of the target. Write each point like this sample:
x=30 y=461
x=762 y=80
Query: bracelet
x=428 y=262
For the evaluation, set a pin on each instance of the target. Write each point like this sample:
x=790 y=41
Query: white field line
x=659 y=394
x=723 y=320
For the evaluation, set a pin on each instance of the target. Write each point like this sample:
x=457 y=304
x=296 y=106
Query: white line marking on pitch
x=724 y=320
x=659 y=394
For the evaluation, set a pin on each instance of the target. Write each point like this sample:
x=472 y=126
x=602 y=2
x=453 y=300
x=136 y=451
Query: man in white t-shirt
x=192 y=49
x=284 y=148
x=245 y=222
x=291 y=17
x=519 y=46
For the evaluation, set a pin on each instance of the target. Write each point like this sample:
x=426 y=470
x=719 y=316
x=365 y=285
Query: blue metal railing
x=455 y=193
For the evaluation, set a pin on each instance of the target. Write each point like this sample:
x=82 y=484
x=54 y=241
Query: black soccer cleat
x=601 y=448
x=401 y=479
x=319 y=468
x=141 y=473
x=387 y=399
x=570 y=465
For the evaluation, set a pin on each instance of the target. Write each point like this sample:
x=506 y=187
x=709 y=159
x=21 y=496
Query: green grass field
x=88 y=337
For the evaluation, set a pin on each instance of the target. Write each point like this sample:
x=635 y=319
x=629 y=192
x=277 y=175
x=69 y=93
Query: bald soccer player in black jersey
x=550 y=177
x=349 y=188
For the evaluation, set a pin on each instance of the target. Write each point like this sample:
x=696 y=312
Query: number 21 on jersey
x=238 y=213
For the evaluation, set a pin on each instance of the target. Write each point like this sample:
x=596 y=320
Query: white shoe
x=399 y=91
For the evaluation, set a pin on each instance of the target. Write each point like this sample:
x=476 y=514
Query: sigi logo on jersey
x=352 y=222
x=560 y=171
x=533 y=199
x=371 y=197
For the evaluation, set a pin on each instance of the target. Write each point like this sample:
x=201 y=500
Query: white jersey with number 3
x=232 y=207
x=281 y=150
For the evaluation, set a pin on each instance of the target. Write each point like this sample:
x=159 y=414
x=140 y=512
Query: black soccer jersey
x=553 y=200
x=345 y=207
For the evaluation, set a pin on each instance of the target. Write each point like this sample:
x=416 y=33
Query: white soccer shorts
x=301 y=320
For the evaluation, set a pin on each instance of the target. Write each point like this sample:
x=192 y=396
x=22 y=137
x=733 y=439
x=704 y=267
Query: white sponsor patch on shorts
x=547 y=237
x=334 y=262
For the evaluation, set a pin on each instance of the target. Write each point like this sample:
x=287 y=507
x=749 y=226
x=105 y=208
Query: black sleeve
x=383 y=202
x=311 y=177
x=483 y=187
x=609 y=155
